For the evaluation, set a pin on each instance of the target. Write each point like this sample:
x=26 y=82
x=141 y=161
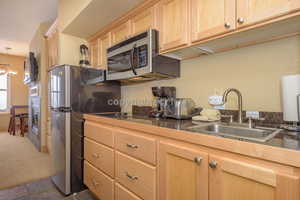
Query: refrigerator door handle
x=298 y=106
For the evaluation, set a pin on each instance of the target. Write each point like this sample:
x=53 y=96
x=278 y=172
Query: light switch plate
x=252 y=114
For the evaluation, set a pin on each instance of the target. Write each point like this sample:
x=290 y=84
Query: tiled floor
x=38 y=190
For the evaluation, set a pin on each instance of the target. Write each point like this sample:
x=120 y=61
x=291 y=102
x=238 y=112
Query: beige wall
x=69 y=49
x=38 y=46
x=256 y=71
x=19 y=91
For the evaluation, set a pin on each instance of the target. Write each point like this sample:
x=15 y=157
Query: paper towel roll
x=291 y=97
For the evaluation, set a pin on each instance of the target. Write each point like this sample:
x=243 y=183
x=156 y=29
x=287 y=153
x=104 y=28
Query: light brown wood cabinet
x=104 y=44
x=94 y=53
x=173 y=23
x=211 y=17
x=185 y=23
x=234 y=180
x=121 y=32
x=183 y=173
x=143 y=21
x=254 y=11
x=99 y=183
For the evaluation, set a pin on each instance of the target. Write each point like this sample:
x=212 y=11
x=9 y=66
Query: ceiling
x=19 y=20
x=98 y=14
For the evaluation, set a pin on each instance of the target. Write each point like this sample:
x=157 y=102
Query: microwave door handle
x=131 y=59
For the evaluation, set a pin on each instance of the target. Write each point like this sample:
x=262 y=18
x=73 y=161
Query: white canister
x=291 y=98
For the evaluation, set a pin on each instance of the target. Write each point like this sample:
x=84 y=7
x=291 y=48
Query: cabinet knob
x=213 y=164
x=95 y=155
x=227 y=25
x=133 y=146
x=198 y=160
x=241 y=20
x=95 y=183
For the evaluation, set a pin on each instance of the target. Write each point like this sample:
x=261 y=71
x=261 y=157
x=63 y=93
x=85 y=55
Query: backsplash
x=256 y=71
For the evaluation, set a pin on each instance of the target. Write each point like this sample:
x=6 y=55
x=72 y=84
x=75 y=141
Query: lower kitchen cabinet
x=122 y=164
x=235 y=180
x=183 y=173
x=121 y=193
x=99 y=183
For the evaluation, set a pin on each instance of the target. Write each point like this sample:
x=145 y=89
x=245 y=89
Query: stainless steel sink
x=260 y=134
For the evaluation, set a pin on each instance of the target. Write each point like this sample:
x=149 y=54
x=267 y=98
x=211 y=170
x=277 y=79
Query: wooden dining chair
x=18 y=113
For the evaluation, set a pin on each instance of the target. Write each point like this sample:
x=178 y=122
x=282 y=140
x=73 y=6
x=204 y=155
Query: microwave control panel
x=142 y=56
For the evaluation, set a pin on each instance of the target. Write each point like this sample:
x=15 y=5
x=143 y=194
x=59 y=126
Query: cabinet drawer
x=100 y=156
x=138 y=177
x=99 y=133
x=99 y=183
x=123 y=194
x=140 y=147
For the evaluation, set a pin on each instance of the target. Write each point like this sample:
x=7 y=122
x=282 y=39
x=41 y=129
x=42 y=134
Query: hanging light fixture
x=4 y=67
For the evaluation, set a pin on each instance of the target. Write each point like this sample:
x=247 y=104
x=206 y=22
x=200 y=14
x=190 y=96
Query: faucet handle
x=251 y=119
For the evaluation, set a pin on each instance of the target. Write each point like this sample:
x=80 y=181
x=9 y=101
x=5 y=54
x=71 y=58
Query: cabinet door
x=183 y=173
x=143 y=21
x=104 y=43
x=254 y=11
x=235 y=180
x=173 y=24
x=94 y=51
x=121 y=32
x=211 y=17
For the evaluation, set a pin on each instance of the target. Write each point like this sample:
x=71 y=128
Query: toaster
x=180 y=108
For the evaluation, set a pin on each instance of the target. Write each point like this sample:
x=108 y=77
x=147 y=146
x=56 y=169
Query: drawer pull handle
x=133 y=146
x=95 y=155
x=133 y=178
x=95 y=183
x=198 y=160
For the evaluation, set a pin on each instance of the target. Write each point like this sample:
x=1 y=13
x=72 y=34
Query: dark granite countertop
x=285 y=139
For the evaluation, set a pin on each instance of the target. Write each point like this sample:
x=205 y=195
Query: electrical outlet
x=252 y=114
x=215 y=100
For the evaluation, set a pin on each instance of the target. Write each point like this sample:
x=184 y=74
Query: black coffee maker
x=162 y=95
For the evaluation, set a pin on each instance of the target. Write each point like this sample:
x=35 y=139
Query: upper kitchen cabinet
x=254 y=11
x=183 y=173
x=121 y=32
x=104 y=43
x=211 y=17
x=94 y=52
x=143 y=21
x=173 y=19
x=231 y=179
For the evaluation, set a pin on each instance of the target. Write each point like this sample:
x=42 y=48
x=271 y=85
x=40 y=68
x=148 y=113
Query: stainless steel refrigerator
x=71 y=95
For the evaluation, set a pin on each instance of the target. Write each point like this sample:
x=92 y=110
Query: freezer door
x=60 y=87
x=61 y=148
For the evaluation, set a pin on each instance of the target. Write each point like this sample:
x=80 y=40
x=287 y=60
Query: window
x=3 y=92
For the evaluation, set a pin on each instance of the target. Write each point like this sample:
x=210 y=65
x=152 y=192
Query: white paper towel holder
x=291 y=101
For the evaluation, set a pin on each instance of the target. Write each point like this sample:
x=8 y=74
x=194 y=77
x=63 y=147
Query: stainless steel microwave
x=137 y=59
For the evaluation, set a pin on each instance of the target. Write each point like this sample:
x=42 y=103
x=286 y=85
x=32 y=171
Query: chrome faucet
x=240 y=101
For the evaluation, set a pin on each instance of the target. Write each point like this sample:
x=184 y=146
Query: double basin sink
x=236 y=131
